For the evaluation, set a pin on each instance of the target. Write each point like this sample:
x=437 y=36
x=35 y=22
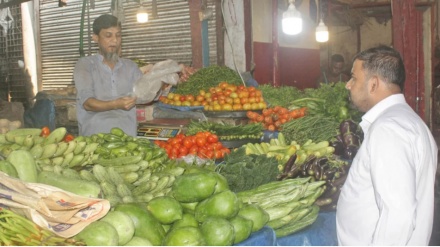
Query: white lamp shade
x=321 y=32
x=142 y=15
x=292 y=21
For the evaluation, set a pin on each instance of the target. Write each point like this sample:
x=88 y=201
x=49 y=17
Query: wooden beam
x=196 y=34
x=12 y=3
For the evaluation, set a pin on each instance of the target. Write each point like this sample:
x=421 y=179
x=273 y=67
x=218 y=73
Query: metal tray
x=239 y=143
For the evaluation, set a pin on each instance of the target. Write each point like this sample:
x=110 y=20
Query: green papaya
x=146 y=226
x=218 y=232
x=194 y=187
x=256 y=214
x=224 y=204
x=242 y=228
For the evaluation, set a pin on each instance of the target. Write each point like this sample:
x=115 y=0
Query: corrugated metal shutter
x=168 y=36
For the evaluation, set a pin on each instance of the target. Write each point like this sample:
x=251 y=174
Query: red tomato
x=68 y=138
x=225 y=150
x=209 y=146
x=200 y=141
x=218 y=154
x=183 y=150
x=158 y=143
x=45 y=131
x=213 y=138
x=174 y=153
x=209 y=154
x=193 y=150
x=174 y=141
x=187 y=143
x=217 y=145
x=202 y=153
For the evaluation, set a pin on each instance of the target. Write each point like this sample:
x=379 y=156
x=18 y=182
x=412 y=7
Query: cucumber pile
x=114 y=166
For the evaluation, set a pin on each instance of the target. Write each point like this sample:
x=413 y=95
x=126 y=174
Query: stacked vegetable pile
x=274 y=117
x=111 y=165
x=222 y=97
x=329 y=100
x=289 y=203
x=208 y=77
x=200 y=210
x=160 y=200
x=203 y=144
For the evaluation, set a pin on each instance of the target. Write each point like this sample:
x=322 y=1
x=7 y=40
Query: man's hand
x=125 y=103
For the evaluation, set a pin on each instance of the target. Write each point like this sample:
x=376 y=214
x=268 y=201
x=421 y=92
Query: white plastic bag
x=147 y=87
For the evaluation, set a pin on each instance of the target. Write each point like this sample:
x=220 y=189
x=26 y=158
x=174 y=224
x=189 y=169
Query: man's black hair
x=105 y=21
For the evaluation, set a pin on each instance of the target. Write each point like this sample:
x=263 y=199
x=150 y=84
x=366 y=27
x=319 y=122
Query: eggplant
x=290 y=163
x=323 y=201
x=294 y=172
x=338 y=145
x=282 y=176
x=348 y=126
x=350 y=152
x=306 y=165
x=351 y=139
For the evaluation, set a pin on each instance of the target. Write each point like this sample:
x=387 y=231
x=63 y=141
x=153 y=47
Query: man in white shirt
x=388 y=197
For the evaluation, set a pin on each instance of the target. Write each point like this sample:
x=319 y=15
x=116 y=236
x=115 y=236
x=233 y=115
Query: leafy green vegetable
x=313 y=127
x=330 y=100
x=208 y=77
x=281 y=96
x=227 y=131
x=245 y=172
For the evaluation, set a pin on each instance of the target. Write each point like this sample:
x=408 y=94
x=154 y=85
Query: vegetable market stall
x=277 y=185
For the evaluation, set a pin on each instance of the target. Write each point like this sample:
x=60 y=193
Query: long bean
x=310 y=127
x=17 y=230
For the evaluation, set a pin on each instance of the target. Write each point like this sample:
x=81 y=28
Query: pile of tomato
x=273 y=118
x=204 y=144
x=224 y=97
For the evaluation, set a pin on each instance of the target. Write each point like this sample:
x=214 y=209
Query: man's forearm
x=92 y=104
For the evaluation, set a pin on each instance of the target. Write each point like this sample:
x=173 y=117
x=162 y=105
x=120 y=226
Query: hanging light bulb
x=321 y=32
x=292 y=21
x=142 y=15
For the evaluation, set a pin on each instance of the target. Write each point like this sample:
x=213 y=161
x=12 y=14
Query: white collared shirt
x=388 y=197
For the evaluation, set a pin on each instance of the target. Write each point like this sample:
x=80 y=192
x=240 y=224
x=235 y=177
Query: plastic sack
x=321 y=233
x=264 y=237
x=147 y=87
x=41 y=114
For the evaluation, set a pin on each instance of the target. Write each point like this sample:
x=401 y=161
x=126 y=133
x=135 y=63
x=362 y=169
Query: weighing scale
x=161 y=129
